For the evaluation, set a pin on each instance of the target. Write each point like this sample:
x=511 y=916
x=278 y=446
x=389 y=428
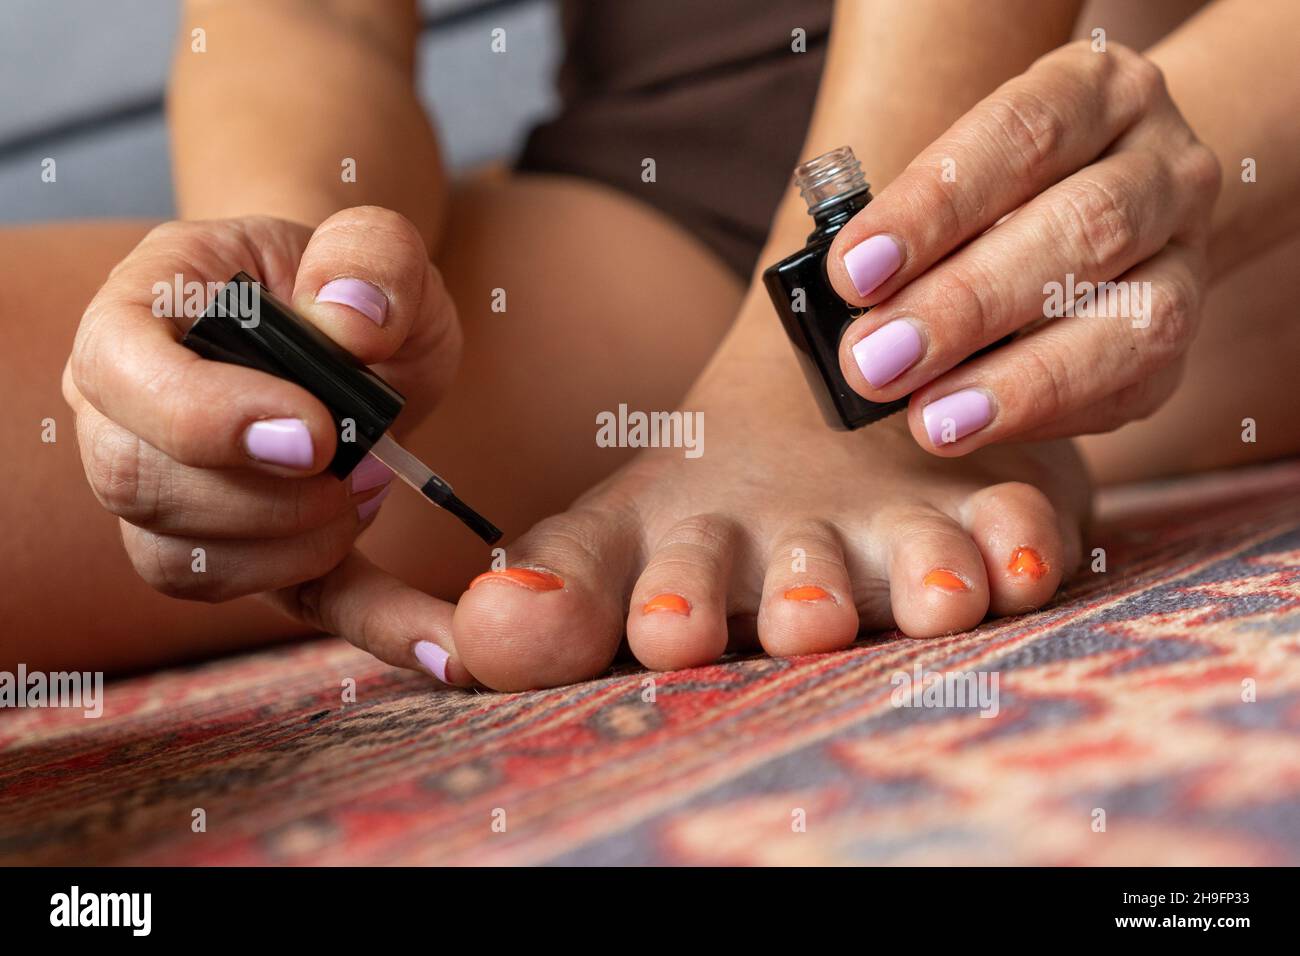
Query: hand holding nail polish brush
x=248 y=326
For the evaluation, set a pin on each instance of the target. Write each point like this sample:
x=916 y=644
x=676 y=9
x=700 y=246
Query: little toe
x=807 y=605
x=1017 y=531
x=936 y=575
x=678 y=613
x=554 y=616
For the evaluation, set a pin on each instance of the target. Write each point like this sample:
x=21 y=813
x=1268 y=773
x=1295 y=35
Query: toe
x=678 y=613
x=1017 y=531
x=807 y=605
x=936 y=575
x=554 y=616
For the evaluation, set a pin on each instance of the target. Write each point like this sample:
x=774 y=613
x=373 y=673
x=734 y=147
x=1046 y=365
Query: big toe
x=555 y=615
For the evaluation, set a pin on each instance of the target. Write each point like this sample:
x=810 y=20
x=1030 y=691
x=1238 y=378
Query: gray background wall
x=82 y=81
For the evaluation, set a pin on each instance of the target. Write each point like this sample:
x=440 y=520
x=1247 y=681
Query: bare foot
x=782 y=529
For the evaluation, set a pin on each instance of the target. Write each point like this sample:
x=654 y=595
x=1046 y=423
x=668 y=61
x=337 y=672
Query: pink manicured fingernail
x=370 y=506
x=871 y=262
x=371 y=473
x=356 y=294
x=280 y=441
x=957 y=415
x=888 y=352
x=433 y=659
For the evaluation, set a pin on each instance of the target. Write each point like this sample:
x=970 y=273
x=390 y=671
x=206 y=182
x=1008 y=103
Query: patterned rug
x=1150 y=715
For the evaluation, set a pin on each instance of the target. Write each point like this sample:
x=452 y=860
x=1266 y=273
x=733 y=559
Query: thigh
x=605 y=302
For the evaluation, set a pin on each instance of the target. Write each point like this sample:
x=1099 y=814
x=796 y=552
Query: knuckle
x=965 y=302
x=113 y=460
x=1105 y=223
x=1203 y=172
x=1147 y=78
x=1029 y=131
x=1174 y=310
x=165 y=564
x=1046 y=377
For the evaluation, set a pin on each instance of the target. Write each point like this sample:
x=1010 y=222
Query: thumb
x=366 y=281
x=381 y=615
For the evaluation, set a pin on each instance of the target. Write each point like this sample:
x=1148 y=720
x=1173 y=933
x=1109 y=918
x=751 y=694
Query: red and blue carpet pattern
x=1128 y=701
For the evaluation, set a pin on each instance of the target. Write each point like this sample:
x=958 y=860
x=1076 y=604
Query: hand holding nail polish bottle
x=813 y=315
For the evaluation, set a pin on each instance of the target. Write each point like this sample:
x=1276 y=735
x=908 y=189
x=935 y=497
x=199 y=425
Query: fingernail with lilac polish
x=371 y=473
x=280 y=441
x=888 y=352
x=956 y=416
x=433 y=659
x=871 y=262
x=370 y=506
x=356 y=294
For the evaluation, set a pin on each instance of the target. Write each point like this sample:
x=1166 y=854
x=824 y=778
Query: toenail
x=667 y=602
x=945 y=580
x=1027 y=561
x=806 y=593
x=525 y=577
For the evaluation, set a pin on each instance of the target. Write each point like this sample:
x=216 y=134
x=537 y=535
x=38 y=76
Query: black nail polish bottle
x=813 y=315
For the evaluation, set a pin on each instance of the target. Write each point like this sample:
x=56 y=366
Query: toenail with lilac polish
x=945 y=580
x=371 y=473
x=524 y=577
x=956 y=416
x=674 y=603
x=358 y=295
x=807 y=593
x=1028 y=563
x=280 y=441
x=871 y=262
x=888 y=352
x=433 y=659
x=367 y=508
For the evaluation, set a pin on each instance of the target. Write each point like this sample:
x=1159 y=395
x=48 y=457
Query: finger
x=221 y=569
x=128 y=363
x=1089 y=228
x=144 y=487
x=1028 y=134
x=1136 y=327
x=381 y=615
x=1129 y=404
x=366 y=281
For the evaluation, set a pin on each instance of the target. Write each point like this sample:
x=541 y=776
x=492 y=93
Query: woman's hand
x=1078 y=172
x=218 y=471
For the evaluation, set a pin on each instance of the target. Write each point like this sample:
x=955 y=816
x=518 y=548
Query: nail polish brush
x=246 y=325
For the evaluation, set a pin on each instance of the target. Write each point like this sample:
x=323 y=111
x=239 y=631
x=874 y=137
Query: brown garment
x=711 y=90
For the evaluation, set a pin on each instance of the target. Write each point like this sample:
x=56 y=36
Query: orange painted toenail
x=945 y=580
x=1027 y=561
x=525 y=577
x=666 y=602
x=807 y=592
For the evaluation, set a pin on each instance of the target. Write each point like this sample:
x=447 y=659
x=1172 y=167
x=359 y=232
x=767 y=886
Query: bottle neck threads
x=829 y=178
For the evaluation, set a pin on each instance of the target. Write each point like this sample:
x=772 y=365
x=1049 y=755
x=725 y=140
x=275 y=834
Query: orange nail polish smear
x=944 y=580
x=525 y=577
x=666 y=602
x=1027 y=561
x=807 y=593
